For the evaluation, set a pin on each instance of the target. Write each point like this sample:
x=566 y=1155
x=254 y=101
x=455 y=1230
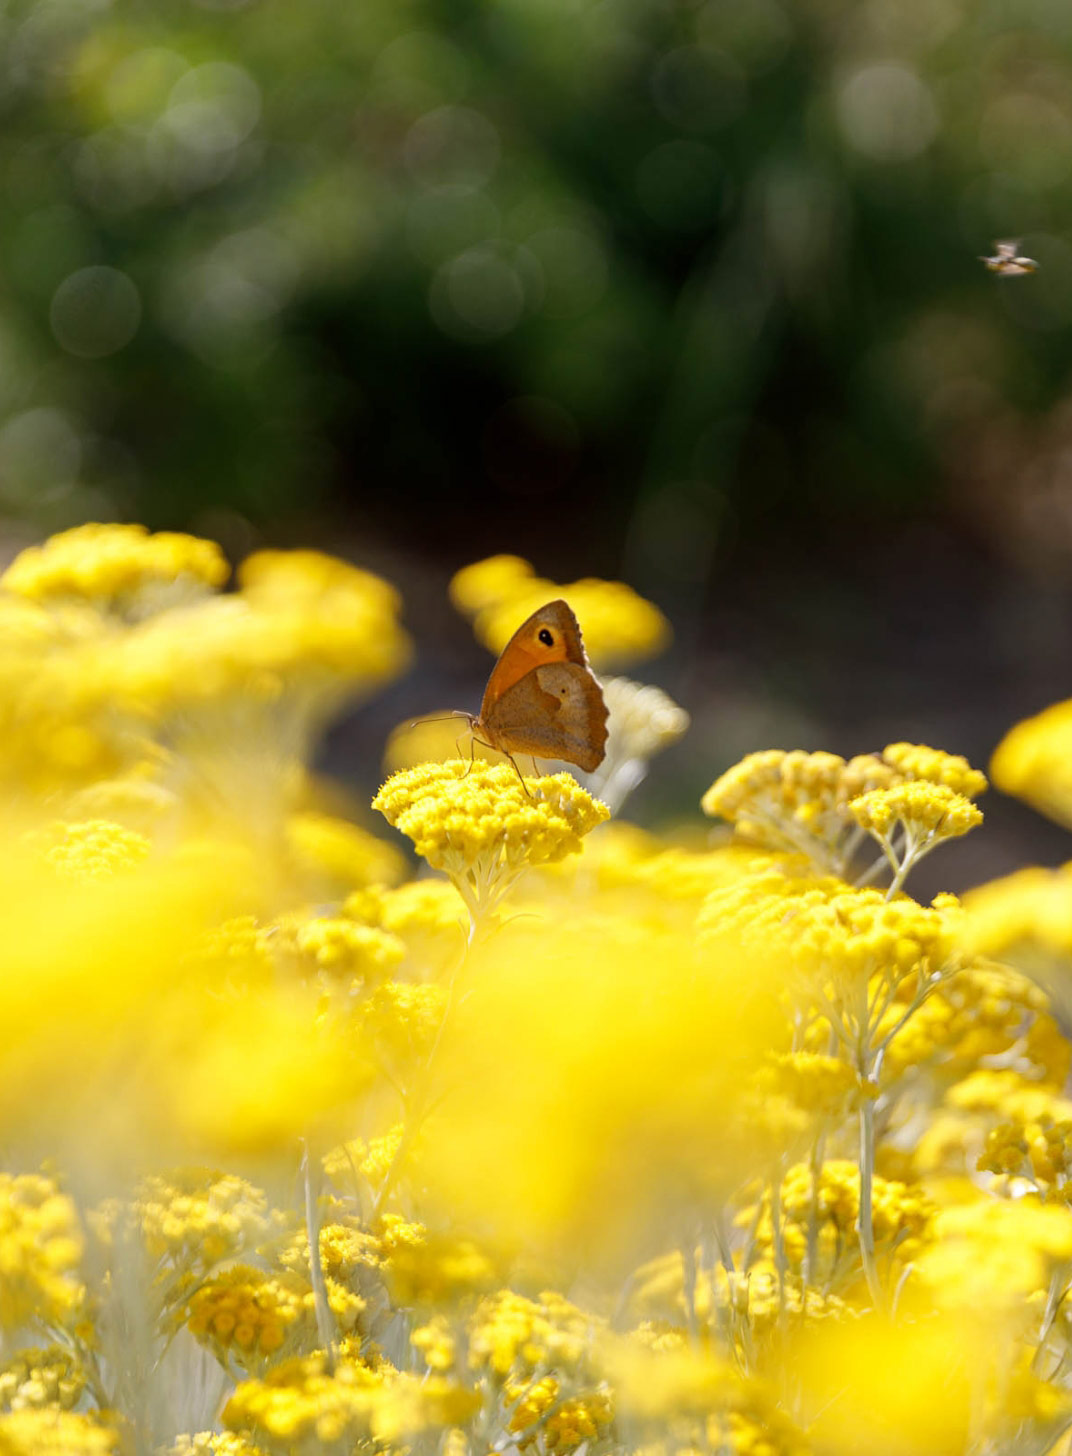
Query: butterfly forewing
x=526 y=650
x=541 y=697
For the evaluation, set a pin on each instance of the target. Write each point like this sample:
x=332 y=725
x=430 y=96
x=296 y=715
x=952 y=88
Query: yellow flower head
x=336 y=857
x=901 y=1218
x=51 y=1432
x=407 y=1405
x=299 y=639
x=482 y=826
x=643 y=720
x=343 y=950
x=119 y=569
x=1025 y=914
x=193 y=1218
x=424 y=914
x=1034 y=762
x=796 y=801
x=950 y=770
x=832 y=931
x=40 y=1252
x=346 y=1249
x=94 y=849
x=488 y=582
x=214 y=1443
x=245 y=1316
x=807 y=802
x=439 y=1269
x=618 y=626
x=512 y=1335
x=302 y=1406
x=992 y=1253
x=560 y=1423
x=402 y=1018
x=436 y=1342
x=34 y=1378
x=924 y=808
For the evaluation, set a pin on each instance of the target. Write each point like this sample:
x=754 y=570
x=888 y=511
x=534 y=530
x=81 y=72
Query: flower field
x=484 y=1122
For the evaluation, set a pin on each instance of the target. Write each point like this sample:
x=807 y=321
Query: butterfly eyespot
x=546 y=638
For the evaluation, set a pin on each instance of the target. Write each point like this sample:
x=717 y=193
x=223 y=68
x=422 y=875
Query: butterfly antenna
x=443 y=718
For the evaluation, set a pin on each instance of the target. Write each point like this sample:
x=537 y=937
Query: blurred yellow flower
x=34 y=1378
x=121 y=569
x=618 y=626
x=41 y=1247
x=51 y=1432
x=213 y=1443
x=1034 y=762
x=301 y=1403
x=92 y=849
x=335 y=857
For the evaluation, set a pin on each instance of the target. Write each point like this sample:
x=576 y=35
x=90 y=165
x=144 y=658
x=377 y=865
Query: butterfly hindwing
x=554 y=711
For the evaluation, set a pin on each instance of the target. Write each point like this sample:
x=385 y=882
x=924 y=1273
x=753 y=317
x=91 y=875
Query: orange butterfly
x=541 y=697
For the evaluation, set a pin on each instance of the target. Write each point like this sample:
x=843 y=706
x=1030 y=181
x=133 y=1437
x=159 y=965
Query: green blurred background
x=686 y=293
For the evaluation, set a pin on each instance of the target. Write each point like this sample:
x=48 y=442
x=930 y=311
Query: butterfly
x=1007 y=263
x=542 y=697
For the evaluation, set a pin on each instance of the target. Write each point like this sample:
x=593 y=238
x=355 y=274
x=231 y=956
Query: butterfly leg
x=473 y=741
x=535 y=768
x=520 y=775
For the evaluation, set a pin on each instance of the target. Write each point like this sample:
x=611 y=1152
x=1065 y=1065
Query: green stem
x=811 y=1255
x=778 y=1241
x=419 y=1104
x=865 y=1220
x=325 y=1320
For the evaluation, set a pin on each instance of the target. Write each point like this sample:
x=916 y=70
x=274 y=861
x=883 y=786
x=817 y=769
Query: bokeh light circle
x=477 y=295
x=95 y=312
x=887 y=112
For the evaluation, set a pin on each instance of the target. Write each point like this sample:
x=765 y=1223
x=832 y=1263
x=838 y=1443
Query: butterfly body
x=542 y=697
x=1007 y=262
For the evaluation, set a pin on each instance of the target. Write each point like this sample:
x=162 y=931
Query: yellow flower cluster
x=93 y=849
x=118 y=569
x=831 y=1207
x=245 y=1316
x=1033 y=762
x=41 y=1377
x=341 y=949
x=795 y=1149
x=643 y=720
x=335 y=857
x=833 y=933
x=53 y=1432
x=245 y=1311
x=618 y=626
x=41 y=1246
x=560 y=1423
x=482 y=826
x=301 y=1405
x=817 y=803
x=438 y=1270
x=214 y=1443
x=513 y=1334
x=922 y=808
x=195 y=1218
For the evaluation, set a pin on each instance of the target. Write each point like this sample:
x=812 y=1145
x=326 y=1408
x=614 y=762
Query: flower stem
x=865 y=1220
x=325 y=1320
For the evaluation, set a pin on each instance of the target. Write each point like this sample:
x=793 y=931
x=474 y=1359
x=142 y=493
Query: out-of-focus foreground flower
x=572 y=1140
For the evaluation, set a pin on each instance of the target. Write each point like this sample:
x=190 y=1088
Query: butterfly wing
x=528 y=649
x=555 y=711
